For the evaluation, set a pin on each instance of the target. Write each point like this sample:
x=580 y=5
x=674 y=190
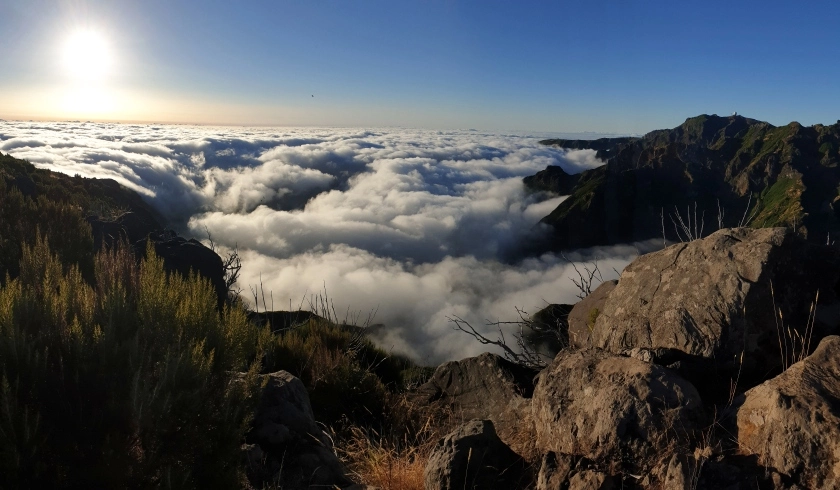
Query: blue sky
x=622 y=66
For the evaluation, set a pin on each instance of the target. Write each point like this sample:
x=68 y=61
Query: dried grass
x=394 y=457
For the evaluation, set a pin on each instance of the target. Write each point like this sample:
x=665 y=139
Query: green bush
x=326 y=357
x=128 y=380
x=349 y=378
x=63 y=225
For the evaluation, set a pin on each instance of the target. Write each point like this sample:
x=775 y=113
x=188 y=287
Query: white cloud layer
x=419 y=224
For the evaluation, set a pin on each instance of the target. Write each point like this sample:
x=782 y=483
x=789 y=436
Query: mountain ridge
x=781 y=176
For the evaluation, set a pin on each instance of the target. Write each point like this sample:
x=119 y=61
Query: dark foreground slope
x=779 y=176
x=79 y=216
x=118 y=369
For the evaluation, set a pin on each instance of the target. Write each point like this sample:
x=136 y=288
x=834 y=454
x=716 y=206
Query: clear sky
x=626 y=66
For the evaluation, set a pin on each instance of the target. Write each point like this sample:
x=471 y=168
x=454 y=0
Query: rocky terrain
x=710 y=364
x=733 y=168
x=694 y=374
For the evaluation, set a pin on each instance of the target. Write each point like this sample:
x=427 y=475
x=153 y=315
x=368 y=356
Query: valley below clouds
x=415 y=225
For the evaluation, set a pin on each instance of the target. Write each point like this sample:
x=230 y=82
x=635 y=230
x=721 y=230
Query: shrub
x=337 y=366
x=124 y=381
x=63 y=225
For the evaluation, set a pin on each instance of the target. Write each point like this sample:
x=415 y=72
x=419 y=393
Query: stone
x=591 y=480
x=585 y=312
x=792 y=422
x=554 y=471
x=609 y=408
x=285 y=444
x=184 y=256
x=473 y=457
x=708 y=307
x=483 y=387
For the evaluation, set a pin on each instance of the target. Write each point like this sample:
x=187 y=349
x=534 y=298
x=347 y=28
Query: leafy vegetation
x=63 y=225
x=126 y=381
x=780 y=204
x=116 y=374
x=359 y=392
x=101 y=197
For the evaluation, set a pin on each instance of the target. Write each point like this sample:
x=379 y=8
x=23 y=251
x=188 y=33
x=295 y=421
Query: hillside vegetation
x=116 y=371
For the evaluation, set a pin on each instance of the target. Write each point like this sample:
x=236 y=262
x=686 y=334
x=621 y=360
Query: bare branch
x=526 y=357
x=586 y=278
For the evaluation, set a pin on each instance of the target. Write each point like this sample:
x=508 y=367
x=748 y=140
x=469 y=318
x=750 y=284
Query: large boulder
x=613 y=409
x=473 y=457
x=484 y=387
x=567 y=472
x=711 y=304
x=584 y=314
x=792 y=422
x=285 y=445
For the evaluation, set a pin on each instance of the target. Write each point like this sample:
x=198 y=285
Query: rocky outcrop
x=473 y=457
x=584 y=314
x=643 y=397
x=553 y=179
x=792 y=422
x=783 y=176
x=129 y=227
x=708 y=306
x=282 y=320
x=285 y=445
x=555 y=470
x=613 y=409
x=483 y=387
x=591 y=480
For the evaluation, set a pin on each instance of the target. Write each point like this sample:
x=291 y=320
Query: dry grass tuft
x=394 y=457
x=382 y=464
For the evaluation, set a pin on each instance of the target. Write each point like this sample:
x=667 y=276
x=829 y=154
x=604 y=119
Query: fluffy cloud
x=419 y=224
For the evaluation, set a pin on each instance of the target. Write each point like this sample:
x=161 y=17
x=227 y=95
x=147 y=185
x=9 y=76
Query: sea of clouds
x=416 y=225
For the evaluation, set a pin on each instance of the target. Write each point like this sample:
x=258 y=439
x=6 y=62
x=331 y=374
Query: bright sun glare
x=87 y=55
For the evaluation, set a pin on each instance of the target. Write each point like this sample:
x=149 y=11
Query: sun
x=87 y=55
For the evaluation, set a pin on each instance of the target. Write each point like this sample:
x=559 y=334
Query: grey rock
x=485 y=387
x=591 y=480
x=584 y=312
x=610 y=408
x=554 y=471
x=285 y=445
x=473 y=457
x=548 y=329
x=700 y=305
x=792 y=422
x=678 y=475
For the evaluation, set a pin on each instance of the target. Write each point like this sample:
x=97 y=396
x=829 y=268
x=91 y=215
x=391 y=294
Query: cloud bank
x=419 y=224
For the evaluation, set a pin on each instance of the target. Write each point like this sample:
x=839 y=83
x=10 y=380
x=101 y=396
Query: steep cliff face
x=779 y=176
